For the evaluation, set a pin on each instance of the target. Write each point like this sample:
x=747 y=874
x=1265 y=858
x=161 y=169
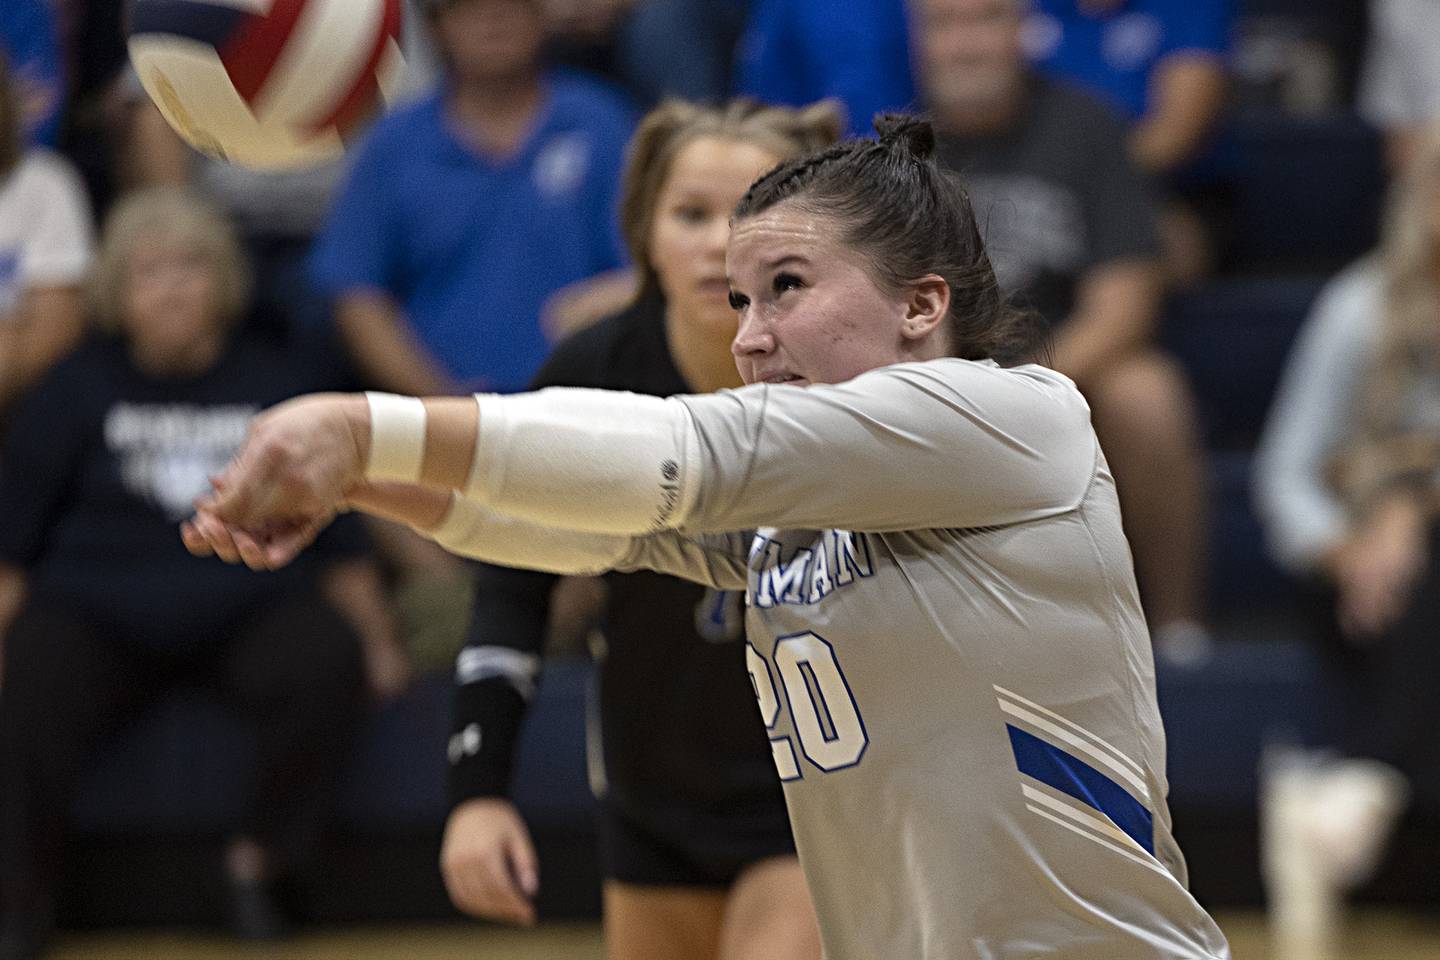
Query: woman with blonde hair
x=97 y=620
x=1346 y=484
x=696 y=848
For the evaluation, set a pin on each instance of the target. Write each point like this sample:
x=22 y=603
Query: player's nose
x=752 y=336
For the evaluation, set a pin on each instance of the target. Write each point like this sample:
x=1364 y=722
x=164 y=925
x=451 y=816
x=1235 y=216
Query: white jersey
x=949 y=653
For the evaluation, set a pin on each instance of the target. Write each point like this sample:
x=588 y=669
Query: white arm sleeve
x=472 y=530
x=601 y=461
x=944 y=443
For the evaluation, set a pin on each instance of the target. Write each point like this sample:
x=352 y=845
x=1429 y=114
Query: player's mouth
x=782 y=378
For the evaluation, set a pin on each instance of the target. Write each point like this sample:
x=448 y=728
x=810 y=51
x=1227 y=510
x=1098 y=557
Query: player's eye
x=691 y=214
x=738 y=301
x=787 y=281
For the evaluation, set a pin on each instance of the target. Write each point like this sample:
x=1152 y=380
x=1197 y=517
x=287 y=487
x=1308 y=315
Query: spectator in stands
x=30 y=37
x=696 y=844
x=45 y=252
x=1070 y=227
x=102 y=611
x=462 y=213
x=1346 y=484
x=799 y=51
x=278 y=213
x=1161 y=63
x=652 y=48
x=1400 y=79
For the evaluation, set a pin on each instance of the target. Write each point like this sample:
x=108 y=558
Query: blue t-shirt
x=798 y=51
x=471 y=246
x=1114 y=54
x=30 y=41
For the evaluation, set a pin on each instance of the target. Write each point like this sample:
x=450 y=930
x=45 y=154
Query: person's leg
x=68 y=687
x=1145 y=419
x=295 y=671
x=662 y=922
x=769 y=915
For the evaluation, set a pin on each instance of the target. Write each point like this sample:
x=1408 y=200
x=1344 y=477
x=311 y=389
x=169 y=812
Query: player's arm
x=385 y=349
x=942 y=444
x=488 y=859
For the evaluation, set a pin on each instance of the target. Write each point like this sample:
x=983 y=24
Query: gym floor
x=1374 y=935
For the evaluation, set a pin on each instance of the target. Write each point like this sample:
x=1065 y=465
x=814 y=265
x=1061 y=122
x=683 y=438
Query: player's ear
x=927 y=308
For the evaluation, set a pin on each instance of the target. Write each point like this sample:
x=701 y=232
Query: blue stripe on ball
x=206 y=22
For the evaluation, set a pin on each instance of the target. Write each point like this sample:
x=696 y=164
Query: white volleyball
x=268 y=84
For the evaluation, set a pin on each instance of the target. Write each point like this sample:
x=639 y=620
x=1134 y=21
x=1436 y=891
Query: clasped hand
x=285 y=485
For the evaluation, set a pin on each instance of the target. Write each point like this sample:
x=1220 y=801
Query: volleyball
x=268 y=84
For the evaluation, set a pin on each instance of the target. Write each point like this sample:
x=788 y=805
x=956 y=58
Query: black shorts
x=687 y=852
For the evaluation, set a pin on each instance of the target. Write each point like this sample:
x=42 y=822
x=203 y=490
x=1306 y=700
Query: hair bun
x=909 y=132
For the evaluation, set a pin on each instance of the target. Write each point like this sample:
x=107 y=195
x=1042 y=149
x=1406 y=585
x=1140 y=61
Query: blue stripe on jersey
x=210 y=23
x=1073 y=776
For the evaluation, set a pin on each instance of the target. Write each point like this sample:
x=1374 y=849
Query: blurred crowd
x=152 y=300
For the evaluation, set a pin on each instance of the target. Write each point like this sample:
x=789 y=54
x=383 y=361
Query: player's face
x=691 y=226
x=171 y=304
x=810 y=310
x=486 y=39
x=969 y=51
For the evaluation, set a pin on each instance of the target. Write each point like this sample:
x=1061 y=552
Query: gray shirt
x=949 y=654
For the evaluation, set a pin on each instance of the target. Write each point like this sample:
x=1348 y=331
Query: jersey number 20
x=822 y=709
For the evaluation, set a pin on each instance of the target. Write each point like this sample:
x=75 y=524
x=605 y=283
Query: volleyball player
x=696 y=847
x=943 y=627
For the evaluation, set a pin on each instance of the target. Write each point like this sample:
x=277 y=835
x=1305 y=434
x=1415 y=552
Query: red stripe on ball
x=253 y=51
x=360 y=101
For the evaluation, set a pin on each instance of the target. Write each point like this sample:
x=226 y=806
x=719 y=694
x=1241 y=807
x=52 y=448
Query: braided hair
x=909 y=218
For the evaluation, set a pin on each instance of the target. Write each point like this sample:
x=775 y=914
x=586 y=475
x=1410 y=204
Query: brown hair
x=160 y=214
x=10 y=133
x=674 y=124
x=909 y=218
x=1387 y=446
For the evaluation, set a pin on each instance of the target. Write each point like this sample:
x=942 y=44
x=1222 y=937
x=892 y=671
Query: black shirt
x=101 y=463
x=680 y=730
x=1055 y=194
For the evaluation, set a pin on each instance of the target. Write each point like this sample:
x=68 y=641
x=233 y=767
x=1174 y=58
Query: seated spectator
x=651 y=48
x=1070 y=227
x=30 y=37
x=798 y=51
x=102 y=611
x=45 y=251
x=463 y=212
x=1346 y=488
x=1400 y=79
x=1161 y=63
